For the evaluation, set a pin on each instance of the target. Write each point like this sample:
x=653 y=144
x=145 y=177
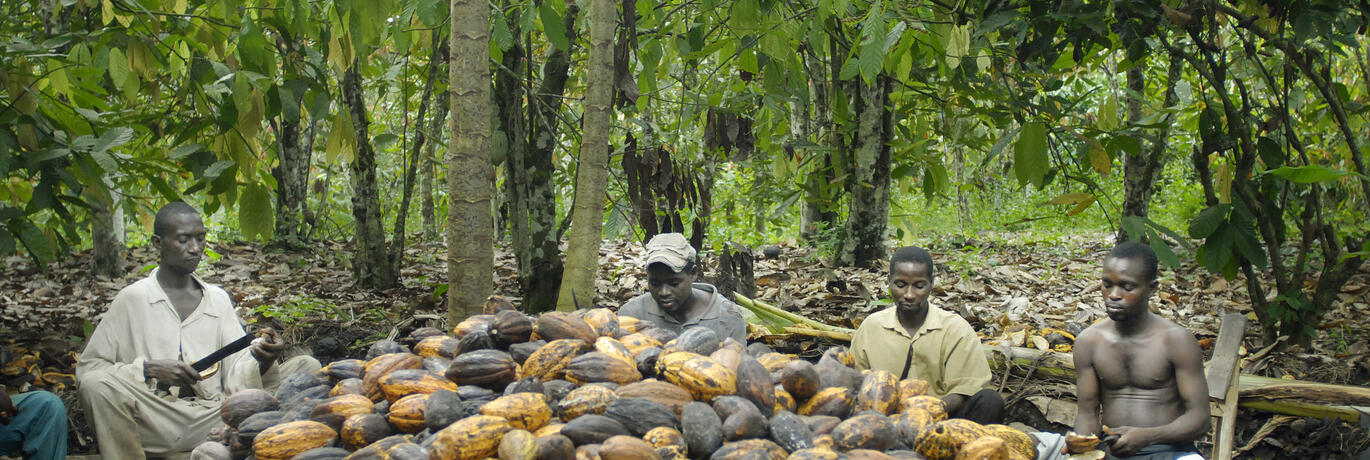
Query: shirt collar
x=157 y=294
x=936 y=319
x=712 y=312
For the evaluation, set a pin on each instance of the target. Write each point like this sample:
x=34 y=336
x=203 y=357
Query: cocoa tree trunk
x=470 y=178
x=107 y=233
x=372 y=261
x=430 y=164
x=869 y=186
x=1141 y=170
x=582 y=254
x=435 y=62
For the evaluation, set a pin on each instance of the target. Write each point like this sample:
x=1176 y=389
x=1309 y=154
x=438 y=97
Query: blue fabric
x=40 y=429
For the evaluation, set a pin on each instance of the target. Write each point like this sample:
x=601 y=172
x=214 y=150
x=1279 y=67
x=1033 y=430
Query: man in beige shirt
x=917 y=340
x=133 y=378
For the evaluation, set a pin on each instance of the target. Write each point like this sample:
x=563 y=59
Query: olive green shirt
x=945 y=351
x=722 y=315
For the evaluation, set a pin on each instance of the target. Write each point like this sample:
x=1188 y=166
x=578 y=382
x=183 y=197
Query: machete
x=219 y=355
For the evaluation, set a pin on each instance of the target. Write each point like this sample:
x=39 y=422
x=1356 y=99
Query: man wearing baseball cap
x=673 y=300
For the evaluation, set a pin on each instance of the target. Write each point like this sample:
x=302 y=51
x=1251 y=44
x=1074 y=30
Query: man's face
x=183 y=244
x=1126 y=289
x=910 y=285
x=670 y=290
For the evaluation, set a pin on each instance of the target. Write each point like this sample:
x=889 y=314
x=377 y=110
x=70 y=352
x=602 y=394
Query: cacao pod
x=984 y=448
x=592 y=429
x=525 y=411
x=600 y=367
x=555 y=447
x=930 y=404
x=472 y=438
x=518 y=445
x=813 y=453
x=405 y=382
x=755 y=383
x=783 y=400
x=790 y=432
x=511 y=327
x=869 y=430
x=407 y=413
x=912 y=423
x=774 y=362
x=1016 y=440
x=821 y=424
x=638 y=342
x=495 y=304
x=695 y=339
x=361 y=430
x=351 y=386
x=333 y=411
x=799 y=379
x=749 y=449
x=837 y=402
x=241 y=405
x=745 y=425
x=472 y=324
x=283 y=441
x=438 y=345
x=704 y=378
x=878 y=392
x=491 y=369
x=639 y=415
x=322 y=453
x=384 y=347
x=557 y=325
x=911 y=387
x=602 y=320
x=670 y=395
x=627 y=448
x=343 y=369
x=665 y=436
x=550 y=361
x=588 y=399
x=522 y=351
x=383 y=365
x=943 y=439
x=614 y=348
x=702 y=429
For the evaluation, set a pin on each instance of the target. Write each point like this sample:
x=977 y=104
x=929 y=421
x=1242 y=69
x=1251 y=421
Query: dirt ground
x=1010 y=291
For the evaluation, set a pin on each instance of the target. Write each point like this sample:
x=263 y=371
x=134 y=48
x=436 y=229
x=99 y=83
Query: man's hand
x=7 y=408
x=170 y=372
x=1124 y=441
x=268 y=349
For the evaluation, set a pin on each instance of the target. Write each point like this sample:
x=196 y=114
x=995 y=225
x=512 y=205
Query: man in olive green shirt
x=917 y=340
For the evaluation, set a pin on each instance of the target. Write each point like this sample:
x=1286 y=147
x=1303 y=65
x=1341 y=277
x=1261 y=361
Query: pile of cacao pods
x=593 y=385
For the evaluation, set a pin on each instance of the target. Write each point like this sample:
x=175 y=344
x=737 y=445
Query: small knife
x=226 y=351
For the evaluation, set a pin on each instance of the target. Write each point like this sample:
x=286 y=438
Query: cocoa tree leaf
x=256 y=217
x=1030 y=162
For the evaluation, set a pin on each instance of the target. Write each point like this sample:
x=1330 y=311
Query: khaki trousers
x=132 y=422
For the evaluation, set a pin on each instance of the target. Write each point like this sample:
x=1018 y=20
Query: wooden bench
x=1222 y=373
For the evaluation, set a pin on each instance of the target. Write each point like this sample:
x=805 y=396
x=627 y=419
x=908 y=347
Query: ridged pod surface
x=557 y=325
x=704 y=378
x=837 y=402
x=283 y=441
x=550 y=361
x=472 y=438
x=407 y=413
x=637 y=342
x=879 y=392
x=984 y=448
x=587 y=399
x=1016 y=439
x=934 y=406
x=669 y=394
x=944 y=439
x=601 y=367
x=401 y=383
x=438 y=345
x=525 y=411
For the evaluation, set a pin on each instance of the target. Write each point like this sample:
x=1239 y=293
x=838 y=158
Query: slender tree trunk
x=470 y=178
x=869 y=187
x=292 y=179
x=372 y=262
x=107 y=233
x=411 y=170
x=817 y=211
x=582 y=255
x=429 y=173
x=1141 y=170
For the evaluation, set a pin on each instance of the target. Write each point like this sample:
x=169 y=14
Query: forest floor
x=1012 y=289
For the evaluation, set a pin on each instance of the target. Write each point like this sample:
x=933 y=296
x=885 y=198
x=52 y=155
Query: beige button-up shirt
x=945 y=351
x=141 y=324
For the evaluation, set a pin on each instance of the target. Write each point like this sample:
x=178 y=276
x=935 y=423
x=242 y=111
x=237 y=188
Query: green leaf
x=255 y=214
x=500 y=34
x=1250 y=247
x=1108 y=113
x=118 y=67
x=1208 y=221
x=1270 y=152
x=553 y=26
x=290 y=105
x=1163 y=251
x=1099 y=157
x=112 y=138
x=6 y=243
x=745 y=15
x=1030 y=161
x=432 y=13
x=35 y=242
x=1308 y=174
x=1072 y=198
x=1126 y=144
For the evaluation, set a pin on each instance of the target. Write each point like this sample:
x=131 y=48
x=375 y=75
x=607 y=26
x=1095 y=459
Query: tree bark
x=292 y=179
x=587 y=216
x=372 y=262
x=470 y=178
x=1141 y=170
x=107 y=233
x=427 y=208
x=869 y=186
x=818 y=214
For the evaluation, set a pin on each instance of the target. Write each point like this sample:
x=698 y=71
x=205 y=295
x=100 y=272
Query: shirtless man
x=1144 y=371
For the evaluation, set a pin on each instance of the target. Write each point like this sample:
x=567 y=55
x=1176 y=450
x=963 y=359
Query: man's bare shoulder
x=1176 y=336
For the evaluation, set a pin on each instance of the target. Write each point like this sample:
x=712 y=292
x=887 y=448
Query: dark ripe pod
x=837 y=402
x=790 y=431
x=436 y=364
x=297 y=382
x=491 y=369
x=867 y=430
x=322 y=453
x=521 y=351
x=476 y=340
x=749 y=449
x=755 y=384
x=495 y=304
x=511 y=327
x=661 y=335
x=672 y=396
x=555 y=325
x=745 y=425
x=727 y=406
x=529 y=385
x=702 y=429
x=343 y=369
x=640 y=415
x=646 y=361
x=241 y=405
x=475 y=393
x=592 y=429
x=421 y=333
x=384 y=347
x=557 y=389
x=821 y=424
x=347 y=387
x=443 y=408
x=437 y=346
x=256 y=423
x=800 y=379
x=361 y=430
x=407 y=451
x=696 y=339
x=756 y=349
x=555 y=447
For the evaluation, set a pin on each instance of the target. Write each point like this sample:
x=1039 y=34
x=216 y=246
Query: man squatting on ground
x=919 y=340
x=139 y=352
x=1144 y=373
x=33 y=424
x=673 y=300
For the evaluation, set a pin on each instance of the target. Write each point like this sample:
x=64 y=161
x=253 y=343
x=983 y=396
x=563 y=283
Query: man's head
x=911 y=274
x=670 y=263
x=179 y=236
x=1128 y=280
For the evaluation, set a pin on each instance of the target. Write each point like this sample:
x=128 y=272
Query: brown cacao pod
x=814 y=453
x=405 y=382
x=867 y=454
x=665 y=436
x=283 y=441
x=790 y=432
x=322 y=453
x=525 y=411
x=347 y=387
x=912 y=423
x=600 y=367
x=943 y=439
x=254 y=425
x=754 y=383
x=472 y=324
x=639 y=415
x=800 y=379
x=879 y=392
x=361 y=430
x=588 y=399
x=869 y=430
x=241 y=405
x=382 y=365
x=745 y=425
x=379 y=449
x=511 y=327
x=518 y=445
x=587 y=452
x=841 y=354
x=823 y=441
x=627 y=448
x=612 y=347
x=911 y=387
x=695 y=339
x=837 y=402
x=1015 y=439
x=407 y=413
x=774 y=362
x=704 y=378
x=550 y=361
x=783 y=400
x=749 y=449
x=495 y=304
x=343 y=369
x=438 y=345
x=984 y=448
x=333 y=411
x=555 y=447
x=821 y=424
x=638 y=342
x=602 y=320
x=522 y=351
x=702 y=429
x=728 y=405
x=491 y=369
x=729 y=357
x=672 y=453
x=630 y=325
x=672 y=396
x=930 y=404
x=472 y=438
x=557 y=325
x=407 y=451
x=592 y=429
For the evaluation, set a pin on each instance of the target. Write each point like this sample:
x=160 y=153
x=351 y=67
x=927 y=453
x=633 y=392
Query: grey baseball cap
x=671 y=249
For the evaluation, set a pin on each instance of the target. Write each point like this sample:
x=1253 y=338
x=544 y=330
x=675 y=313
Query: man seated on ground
x=141 y=349
x=1143 y=372
x=673 y=300
x=33 y=424
x=915 y=339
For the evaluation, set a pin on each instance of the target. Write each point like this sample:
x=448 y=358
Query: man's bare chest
x=1137 y=364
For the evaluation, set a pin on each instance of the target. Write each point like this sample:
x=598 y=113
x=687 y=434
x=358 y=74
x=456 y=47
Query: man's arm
x=1086 y=386
x=1184 y=353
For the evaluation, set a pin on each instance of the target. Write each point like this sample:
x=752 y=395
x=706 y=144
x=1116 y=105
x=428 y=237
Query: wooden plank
x=1223 y=367
x=1223 y=438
